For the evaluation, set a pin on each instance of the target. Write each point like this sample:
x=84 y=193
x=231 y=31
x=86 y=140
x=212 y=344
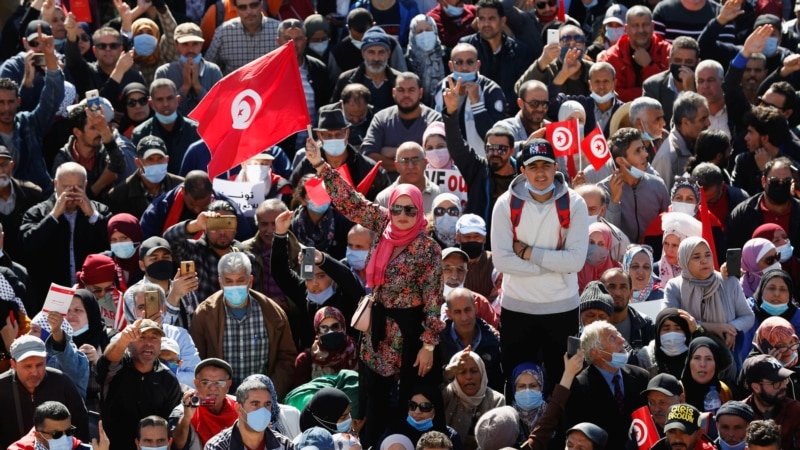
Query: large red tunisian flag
x=251 y=109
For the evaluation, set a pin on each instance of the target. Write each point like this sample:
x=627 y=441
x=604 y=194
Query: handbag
x=362 y=318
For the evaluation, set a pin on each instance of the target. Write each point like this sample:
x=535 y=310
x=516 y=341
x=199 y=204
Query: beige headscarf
x=470 y=400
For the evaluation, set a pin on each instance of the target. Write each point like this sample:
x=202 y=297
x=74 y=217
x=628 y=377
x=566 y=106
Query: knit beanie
x=497 y=428
x=596 y=296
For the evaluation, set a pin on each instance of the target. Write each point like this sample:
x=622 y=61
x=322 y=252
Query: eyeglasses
x=496 y=148
x=761 y=102
x=410 y=161
x=776 y=384
x=786 y=348
x=776 y=180
x=577 y=38
x=57 y=434
x=409 y=210
x=770 y=260
x=538 y=103
x=84 y=37
x=251 y=5
x=541 y=5
x=105 y=290
x=110 y=46
x=218 y=383
x=325 y=329
x=132 y=102
x=423 y=407
x=451 y=211
x=464 y=62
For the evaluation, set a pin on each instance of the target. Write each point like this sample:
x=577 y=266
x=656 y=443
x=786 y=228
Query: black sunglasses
x=770 y=260
x=132 y=102
x=411 y=211
x=496 y=148
x=57 y=435
x=423 y=407
x=325 y=329
x=84 y=37
x=103 y=45
x=451 y=211
x=541 y=5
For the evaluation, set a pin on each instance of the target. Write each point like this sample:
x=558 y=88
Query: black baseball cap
x=537 y=150
x=664 y=383
x=32 y=30
x=684 y=417
x=151 y=244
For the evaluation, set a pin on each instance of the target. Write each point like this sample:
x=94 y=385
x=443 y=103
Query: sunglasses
x=423 y=407
x=33 y=44
x=132 y=102
x=109 y=46
x=577 y=38
x=57 y=435
x=496 y=148
x=251 y=5
x=770 y=260
x=451 y=211
x=409 y=210
x=325 y=329
x=761 y=102
x=776 y=180
x=410 y=161
x=542 y=5
x=84 y=37
x=538 y=103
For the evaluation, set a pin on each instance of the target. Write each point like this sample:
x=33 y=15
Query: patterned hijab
x=328 y=362
x=530 y=417
x=630 y=253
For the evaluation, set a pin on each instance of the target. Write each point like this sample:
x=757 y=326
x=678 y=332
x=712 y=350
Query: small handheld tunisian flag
x=644 y=428
x=705 y=217
x=564 y=137
x=595 y=148
x=252 y=108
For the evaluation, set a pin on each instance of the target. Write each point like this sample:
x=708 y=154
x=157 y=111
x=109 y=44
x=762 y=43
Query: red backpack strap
x=516 y=214
x=562 y=209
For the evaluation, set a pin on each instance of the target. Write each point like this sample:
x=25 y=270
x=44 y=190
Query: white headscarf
x=471 y=400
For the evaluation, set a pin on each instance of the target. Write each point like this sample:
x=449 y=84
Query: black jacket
x=131 y=196
x=178 y=140
x=358 y=165
x=488 y=349
x=747 y=216
x=642 y=329
x=28 y=194
x=380 y=98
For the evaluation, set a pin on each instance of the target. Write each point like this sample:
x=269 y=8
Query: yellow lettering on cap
x=681 y=413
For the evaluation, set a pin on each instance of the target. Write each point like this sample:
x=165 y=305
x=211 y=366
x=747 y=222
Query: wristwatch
x=428 y=347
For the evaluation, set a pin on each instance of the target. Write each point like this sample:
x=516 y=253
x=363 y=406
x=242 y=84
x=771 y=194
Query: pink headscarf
x=392 y=237
x=752 y=252
x=592 y=273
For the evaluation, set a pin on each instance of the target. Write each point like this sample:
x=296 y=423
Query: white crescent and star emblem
x=599 y=147
x=562 y=139
x=640 y=429
x=244 y=108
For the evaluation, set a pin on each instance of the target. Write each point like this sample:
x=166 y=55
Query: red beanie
x=97 y=269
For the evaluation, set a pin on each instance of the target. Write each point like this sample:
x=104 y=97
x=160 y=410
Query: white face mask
x=774 y=266
x=593 y=219
x=786 y=251
x=319 y=47
x=602 y=98
x=686 y=208
x=673 y=343
x=448 y=289
x=334 y=147
x=438 y=158
x=425 y=40
x=257 y=172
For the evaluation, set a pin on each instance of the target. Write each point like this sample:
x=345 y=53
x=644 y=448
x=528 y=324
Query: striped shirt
x=671 y=19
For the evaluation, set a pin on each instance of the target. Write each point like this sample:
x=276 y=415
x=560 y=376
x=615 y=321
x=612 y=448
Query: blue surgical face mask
x=144 y=44
x=771 y=46
x=356 y=258
x=357 y=44
x=422 y=425
x=173 y=367
x=529 y=187
x=786 y=250
x=774 y=310
x=344 y=427
x=426 y=40
x=259 y=419
x=334 y=147
x=154 y=448
x=613 y=34
x=155 y=173
x=466 y=77
x=635 y=172
x=321 y=297
x=59 y=43
x=618 y=359
x=646 y=136
x=123 y=250
x=80 y=330
x=528 y=399
x=62 y=443
x=724 y=446
x=592 y=4
x=166 y=120
x=236 y=295
x=318 y=209
x=454 y=11
x=196 y=59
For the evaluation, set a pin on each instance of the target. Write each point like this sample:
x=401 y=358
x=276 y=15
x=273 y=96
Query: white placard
x=650 y=309
x=58 y=299
x=247 y=194
x=449 y=180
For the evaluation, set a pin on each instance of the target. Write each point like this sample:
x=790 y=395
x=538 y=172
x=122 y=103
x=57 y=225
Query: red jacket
x=619 y=55
x=28 y=442
x=452 y=29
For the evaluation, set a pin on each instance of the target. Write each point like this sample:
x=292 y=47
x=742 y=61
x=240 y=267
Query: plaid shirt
x=245 y=344
x=184 y=248
x=233 y=46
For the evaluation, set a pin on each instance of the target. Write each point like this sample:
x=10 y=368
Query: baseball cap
x=147 y=325
x=151 y=244
x=26 y=346
x=315 y=438
x=150 y=145
x=32 y=30
x=616 y=14
x=537 y=150
x=664 y=383
x=764 y=367
x=375 y=36
x=5 y=152
x=471 y=223
x=592 y=432
x=213 y=362
x=684 y=417
x=171 y=345
x=767 y=19
x=454 y=250
x=188 y=32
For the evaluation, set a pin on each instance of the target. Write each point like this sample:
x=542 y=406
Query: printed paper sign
x=449 y=180
x=58 y=299
x=247 y=194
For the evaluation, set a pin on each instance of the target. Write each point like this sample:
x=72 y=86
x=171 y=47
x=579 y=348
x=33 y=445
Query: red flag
x=365 y=183
x=706 y=219
x=563 y=136
x=252 y=108
x=595 y=148
x=645 y=428
x=561 y=14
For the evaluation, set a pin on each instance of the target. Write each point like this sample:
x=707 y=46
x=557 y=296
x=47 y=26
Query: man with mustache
x=683 y=430
x=767 y=379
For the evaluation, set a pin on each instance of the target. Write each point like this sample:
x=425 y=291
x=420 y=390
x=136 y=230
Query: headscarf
x=672 y=365
x=428 y=65
x=529 y=417
x=767 y=231
x=681 y=226
x=96 y=334
x=446 y=237
x=681 y=183
x=569 y=107
x=145 y=23
x=324 y=409
x=276 y=409
x=696 y=292
x=752 y=252
x=325 y=361
x=591 y=273
x=630 y=253
x=392 y=237
x=758 y=297
x=776 y=329
x=129 y=226
x=469 y=400
x=397 y=439
x=696 y=392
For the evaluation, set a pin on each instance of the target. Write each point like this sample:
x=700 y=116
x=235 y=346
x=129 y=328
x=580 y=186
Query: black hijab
x=696 y=392
x=324 y=409
x=672 y=365
x=762 y=315
x=96 y=334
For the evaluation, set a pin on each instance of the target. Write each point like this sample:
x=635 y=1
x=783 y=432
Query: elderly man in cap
x=767 y=380
x=135 y=384
x=663 y=391
x=192 y=74
x=471 y=239
x=28 y=384
x=333 y=133
x=205 y=410
x=16 y=196
x=150 y=179
x=456 y=269
x=683 y=430
x=732 y=420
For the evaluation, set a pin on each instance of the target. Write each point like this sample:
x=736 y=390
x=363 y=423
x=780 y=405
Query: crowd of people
x=425 y=267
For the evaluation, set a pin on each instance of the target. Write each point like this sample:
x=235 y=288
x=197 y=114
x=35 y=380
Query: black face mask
x=472 y=249
x=779 y=193
x=160 y=270
x=333 y=341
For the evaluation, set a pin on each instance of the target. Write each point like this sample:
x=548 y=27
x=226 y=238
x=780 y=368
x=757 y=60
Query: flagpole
x=580 y=158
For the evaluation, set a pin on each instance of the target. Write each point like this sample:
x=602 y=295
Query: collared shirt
x=245 y=343
x=601 y=117
x=609 y=377
x=7 y=206
x=233 y=46
x=457 y=339
x=719 y=121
